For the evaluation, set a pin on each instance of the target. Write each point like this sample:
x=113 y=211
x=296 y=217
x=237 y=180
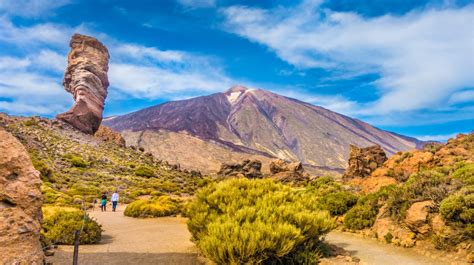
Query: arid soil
x=127 y=240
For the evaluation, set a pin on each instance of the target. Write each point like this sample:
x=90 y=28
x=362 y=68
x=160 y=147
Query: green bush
x=242 y=221
x=465 y=173
x=143 y=171
x=154 y=207
x=458 y=208
x=363 y=214
x=388 y=237
x=78 y=162
x=60 y=224
x=338 y=203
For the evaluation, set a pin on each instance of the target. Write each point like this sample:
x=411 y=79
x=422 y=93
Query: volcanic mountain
x=202 y=132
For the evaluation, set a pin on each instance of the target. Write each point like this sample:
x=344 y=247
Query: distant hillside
x=77 y=167
x=205 y=131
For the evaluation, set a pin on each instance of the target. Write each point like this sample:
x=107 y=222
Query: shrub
x=143 y=171
x=239 y=221
x=388 y=237
x=155 y=207
x=465 y=173
x=338 y=203
x=78 y=162
x=458 y=208
x=363 y=214
x=60 y=224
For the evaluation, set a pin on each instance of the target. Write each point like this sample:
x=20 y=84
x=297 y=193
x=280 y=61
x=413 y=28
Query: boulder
x=279 y=165
x=417 y=216
x=288 y=172
x=86 y=79
x=20 y=204
x=391 y=232
x=248 y=169
x=363 y=161
x=109 y=135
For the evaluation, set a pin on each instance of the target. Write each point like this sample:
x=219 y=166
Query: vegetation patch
x=61 y=223
x=242 y=221
x=154 y=207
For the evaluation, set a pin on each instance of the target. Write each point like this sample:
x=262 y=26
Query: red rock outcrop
x=86 y=78
x=20 y=204
x=110 y=135
x=363 y=161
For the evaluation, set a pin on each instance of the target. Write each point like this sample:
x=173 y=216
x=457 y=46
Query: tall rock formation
x=86 y=78
x=364 y=161
x=20 y=204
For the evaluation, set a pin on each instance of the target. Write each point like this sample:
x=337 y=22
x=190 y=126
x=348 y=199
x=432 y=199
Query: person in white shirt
x=114 y=199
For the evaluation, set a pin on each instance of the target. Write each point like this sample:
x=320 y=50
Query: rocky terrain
x=86 y=79
x=20 y=204
x=363 y=161
x=223 y=127
x=421 y=198
x=76 y=167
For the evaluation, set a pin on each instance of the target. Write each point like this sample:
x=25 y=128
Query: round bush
x=155 y=207
x=144 y=172
x=242 y=221
x=61 y=223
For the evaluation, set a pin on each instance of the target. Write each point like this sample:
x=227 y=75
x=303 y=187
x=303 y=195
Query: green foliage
x=338 y=203
x=242 y=221
x=388 y=237
x=363 y=214
x=78 y=161
x=31 y=122
x=60 y=224
x=458 y=208
x=465 y=173
x=143 y=171
x=331 y=195
x=154 y=207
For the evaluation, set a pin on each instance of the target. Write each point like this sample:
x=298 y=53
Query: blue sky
x=404 y=66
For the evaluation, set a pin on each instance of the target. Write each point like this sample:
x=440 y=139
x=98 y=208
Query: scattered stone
x=86 y=78
x=363 y=161
x=20 y=207
x=248 y=169
x=417 y=216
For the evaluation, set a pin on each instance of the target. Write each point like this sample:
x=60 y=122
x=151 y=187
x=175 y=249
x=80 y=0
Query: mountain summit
x=202 y=132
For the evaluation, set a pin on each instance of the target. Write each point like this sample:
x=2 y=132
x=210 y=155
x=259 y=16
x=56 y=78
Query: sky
x=403 y=66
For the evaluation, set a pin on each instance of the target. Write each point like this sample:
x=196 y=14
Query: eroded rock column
x=86 y=78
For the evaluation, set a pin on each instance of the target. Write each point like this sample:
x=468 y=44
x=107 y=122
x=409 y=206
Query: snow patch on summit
x=234 y=96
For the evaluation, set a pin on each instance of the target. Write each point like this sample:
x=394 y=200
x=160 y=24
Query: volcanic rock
x=20 y=205
x=110 y=135
x=86 y=78
x=288 y=172
x=248 y=169
x=417 y=216
x=363 y=161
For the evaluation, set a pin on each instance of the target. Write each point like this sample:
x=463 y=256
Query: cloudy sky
x=404 y=66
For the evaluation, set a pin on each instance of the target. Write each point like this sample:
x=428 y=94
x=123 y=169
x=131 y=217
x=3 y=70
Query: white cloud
x=139 y=52
x=48 y=59
x=462 y=97
x=197 y=3
x=30 y=8
x=32 y=93
x=35 y=35
x=423 y=57
x=438 y=137
x=154 y=82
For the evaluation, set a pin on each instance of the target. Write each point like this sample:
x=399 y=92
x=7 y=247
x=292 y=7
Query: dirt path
x=135 y=241
x=371 y=251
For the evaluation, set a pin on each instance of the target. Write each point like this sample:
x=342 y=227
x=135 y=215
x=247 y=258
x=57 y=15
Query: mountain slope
x=260 y=123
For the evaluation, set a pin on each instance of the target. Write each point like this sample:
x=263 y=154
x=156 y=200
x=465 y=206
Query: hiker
x=114 y=199
x=103 y=202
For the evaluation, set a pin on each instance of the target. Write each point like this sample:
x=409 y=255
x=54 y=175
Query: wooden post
x=76 y=247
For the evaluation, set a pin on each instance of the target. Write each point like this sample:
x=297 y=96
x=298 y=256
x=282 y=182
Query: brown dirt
x=127 y=240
